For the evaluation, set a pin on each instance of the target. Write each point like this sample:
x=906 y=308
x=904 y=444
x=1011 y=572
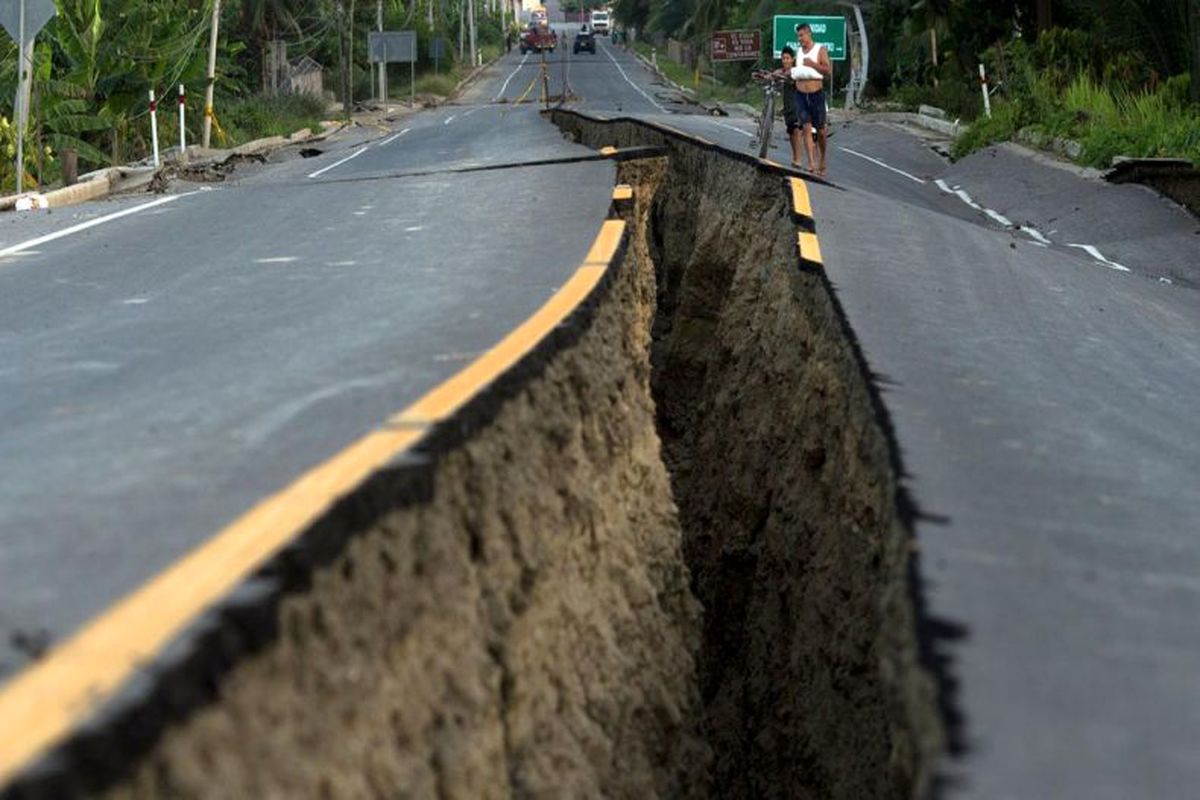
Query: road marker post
x=983 y=85
x=182 y=115
x=154 y=126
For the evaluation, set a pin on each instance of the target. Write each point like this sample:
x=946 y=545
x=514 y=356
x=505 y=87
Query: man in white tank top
x=811 y=70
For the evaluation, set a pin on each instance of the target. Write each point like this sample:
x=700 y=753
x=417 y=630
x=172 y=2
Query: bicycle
x=772 y=85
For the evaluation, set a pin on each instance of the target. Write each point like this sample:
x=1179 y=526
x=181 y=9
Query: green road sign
x=829 y=31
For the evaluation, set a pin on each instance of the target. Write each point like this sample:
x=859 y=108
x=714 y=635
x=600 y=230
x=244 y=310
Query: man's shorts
x=789 y=117
x=810 y=108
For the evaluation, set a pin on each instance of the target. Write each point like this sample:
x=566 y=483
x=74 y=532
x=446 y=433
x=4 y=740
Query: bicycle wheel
x=766 y=124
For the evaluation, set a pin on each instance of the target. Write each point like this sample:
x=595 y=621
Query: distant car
x=584 y=40
x=600 y=22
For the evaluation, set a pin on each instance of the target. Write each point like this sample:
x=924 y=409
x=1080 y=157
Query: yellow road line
x=621 y=192
x=810 y=248
x=43 y=704
x=454 y=393
x=801 y=205
x=608 y=150
x=46 y=701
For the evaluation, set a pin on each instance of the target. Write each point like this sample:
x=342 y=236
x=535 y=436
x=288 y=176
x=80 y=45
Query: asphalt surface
x=1042 y=399
x=160 y=373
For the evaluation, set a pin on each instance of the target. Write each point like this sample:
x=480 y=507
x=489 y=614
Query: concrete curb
x=131 y=177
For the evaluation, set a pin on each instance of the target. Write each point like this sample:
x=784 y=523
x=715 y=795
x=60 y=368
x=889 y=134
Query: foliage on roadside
x=1061 y=89
x=96 y=61
x=738 y=90
x=256 y=117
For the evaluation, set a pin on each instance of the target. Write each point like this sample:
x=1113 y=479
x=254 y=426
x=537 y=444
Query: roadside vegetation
x=1118 y=77
x=732 y=85
x=95 y=62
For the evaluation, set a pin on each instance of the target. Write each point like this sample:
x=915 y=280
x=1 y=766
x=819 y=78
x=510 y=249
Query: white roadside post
x=182 y=114
x=983 y=85
x=154 y=126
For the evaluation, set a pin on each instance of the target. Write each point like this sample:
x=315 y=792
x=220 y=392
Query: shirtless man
x=810 y=72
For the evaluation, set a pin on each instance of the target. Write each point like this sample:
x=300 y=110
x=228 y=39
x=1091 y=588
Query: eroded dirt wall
x=527 y=632
x=784 y=478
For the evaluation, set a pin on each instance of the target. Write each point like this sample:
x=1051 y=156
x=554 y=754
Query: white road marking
x=1033 y=233
x=135 y=301
x=391 y=139
x=350 y=157
x=83 y=226
x=732 y=128
x=276 y=260
x=880 y=163
x=414 y=228
x=341 y=263
x=473 y=110
x=996 y=215
x=1036 y=235
x=1096 y=254
x=653 y=102
x=504 y=86
x=449 y=119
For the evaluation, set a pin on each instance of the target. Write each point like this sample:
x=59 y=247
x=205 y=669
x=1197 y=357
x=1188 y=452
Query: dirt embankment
x=665 y=560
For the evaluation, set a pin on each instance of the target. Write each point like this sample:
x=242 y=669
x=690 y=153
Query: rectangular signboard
x=829 y=31
x=736 y=45
x=392 y=47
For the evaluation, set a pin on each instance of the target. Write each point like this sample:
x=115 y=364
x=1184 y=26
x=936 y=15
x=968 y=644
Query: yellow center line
x=801 y=205
x=810 y=248
x=45 y=702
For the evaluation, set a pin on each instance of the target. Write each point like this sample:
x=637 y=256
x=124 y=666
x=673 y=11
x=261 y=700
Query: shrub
x=261 y=115
x=1000 y=127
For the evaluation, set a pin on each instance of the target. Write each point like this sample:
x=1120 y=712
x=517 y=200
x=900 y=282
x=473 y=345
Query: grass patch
x=441 y=84
x=259 y=116
x=726 y=90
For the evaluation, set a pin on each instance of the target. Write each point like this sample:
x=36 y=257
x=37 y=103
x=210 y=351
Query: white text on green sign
x=829 y=31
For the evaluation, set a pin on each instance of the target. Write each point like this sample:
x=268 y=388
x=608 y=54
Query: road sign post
x=437 y=51
x=395 y=47
x=23 y=19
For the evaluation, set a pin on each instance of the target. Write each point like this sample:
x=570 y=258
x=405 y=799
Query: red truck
x=538 y=37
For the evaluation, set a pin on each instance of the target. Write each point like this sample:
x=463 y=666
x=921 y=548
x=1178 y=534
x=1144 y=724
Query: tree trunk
x=1194 y=49
x=1045 y=20
x=933 y=53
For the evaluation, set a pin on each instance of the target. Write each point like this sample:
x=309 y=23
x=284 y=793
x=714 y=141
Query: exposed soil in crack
x=787 y=492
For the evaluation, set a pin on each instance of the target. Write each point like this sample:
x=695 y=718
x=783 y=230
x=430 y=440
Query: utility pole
x=471 y=23
x=462 y=17
x=344 y=53
x=212 y=73
x=383 y=63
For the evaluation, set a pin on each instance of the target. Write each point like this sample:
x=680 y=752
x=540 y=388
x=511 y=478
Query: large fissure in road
x=661 y=559
x=786 y=488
